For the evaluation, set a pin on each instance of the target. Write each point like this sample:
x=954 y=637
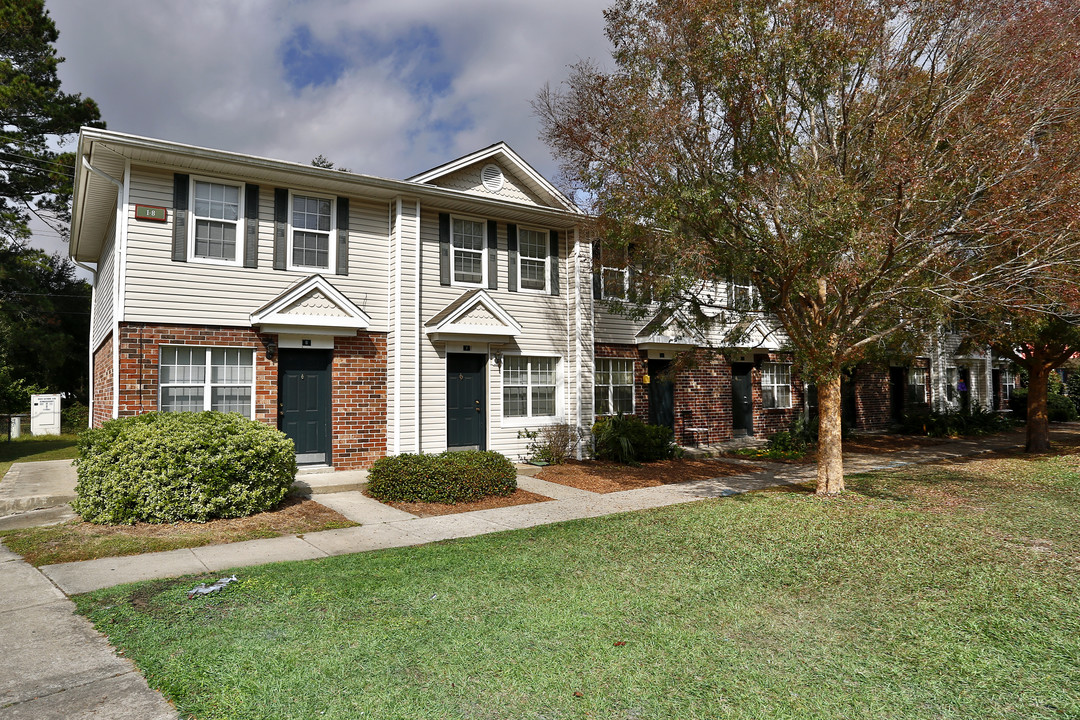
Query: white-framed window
x=952 y=377
x=741 y=294
x=1008 y=384
x=193 y=379
x=613 y=390
x=311 y=232
x=468 y=239
x=614 y=274
x=215 y=231
x=776 y=385
x=530 y=386
x=917 y=379
x=533 y=248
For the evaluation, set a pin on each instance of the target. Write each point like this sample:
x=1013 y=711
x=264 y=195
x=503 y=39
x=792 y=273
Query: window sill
x=528 y=422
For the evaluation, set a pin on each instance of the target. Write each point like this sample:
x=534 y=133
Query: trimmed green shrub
x=950 y=423
x=1072 y=388
x=1059 y=408
x=451 y=477
x=628 y=439
x=170 y=467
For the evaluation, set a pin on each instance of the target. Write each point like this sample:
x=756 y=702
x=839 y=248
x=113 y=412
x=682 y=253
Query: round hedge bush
x=168 y=467
x=452 y=477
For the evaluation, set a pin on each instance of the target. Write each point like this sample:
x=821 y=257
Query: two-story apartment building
x=366 y=316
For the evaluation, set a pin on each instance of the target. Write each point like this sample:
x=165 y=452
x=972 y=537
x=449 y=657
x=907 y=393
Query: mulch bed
x=607 y=477
x=425 y=509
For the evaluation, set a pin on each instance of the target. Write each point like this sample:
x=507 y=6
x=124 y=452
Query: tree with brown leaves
x=866 y=163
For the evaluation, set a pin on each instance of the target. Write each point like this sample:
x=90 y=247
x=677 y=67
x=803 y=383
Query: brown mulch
x=606 y=477
x=426 y=509
x=885 y=443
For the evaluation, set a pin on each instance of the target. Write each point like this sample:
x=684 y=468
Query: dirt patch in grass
x=74 y=541
x=425 y=509
x=606 y=477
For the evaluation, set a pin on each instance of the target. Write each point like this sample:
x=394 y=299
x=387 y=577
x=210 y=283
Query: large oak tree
x=865 y=163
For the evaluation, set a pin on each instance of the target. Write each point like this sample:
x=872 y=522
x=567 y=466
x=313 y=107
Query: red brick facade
x=103 y=382
x=358 y=384
x=703 y=396
x=872 y=398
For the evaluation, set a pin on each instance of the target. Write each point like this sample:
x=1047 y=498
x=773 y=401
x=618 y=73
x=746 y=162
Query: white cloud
x=210 y=73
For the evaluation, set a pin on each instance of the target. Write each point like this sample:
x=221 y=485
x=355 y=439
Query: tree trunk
x=1038 y=418
x=830 y=466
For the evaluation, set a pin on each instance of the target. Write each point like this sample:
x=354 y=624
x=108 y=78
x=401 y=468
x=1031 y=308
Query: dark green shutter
x=597 y=277
x=343 y=236
x=493 y=254
x=281 y=229
x=181 y=186
x=251 y=226
x=444 y=248
x=512 y=258
x=553 y=262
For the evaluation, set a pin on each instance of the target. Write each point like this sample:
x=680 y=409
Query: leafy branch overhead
x=867 y=165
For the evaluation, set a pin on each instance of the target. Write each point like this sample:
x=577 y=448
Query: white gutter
x=90 y=341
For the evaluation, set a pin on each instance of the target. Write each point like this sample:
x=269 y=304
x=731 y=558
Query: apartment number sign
x=150 y=212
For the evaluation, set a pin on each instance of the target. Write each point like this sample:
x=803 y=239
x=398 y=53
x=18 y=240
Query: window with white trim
x=1008 y=384
x=215 y=221
x=529 y=385
x=613 y=390
x=532 y=259
x=775 y=385
x=467 y=240
x=741 y=294
x=614 y=274
x=916 y=378
x=193 y=379
x=311 y=229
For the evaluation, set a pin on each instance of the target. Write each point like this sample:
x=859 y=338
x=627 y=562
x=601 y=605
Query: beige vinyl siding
x=469 y=180
x=104 y=283
x=403 y=321
x=545 y=329
x=194 y=293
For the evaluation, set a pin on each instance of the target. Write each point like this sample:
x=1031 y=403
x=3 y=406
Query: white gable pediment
x=518 y=182
x=474 y=315
x=312 y=306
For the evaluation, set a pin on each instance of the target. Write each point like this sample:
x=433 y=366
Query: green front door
x=466 y=408
x=304 y=388
x=742 y=399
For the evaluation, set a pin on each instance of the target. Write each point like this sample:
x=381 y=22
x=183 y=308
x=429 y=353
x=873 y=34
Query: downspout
x=90 y=344
x=118 y=267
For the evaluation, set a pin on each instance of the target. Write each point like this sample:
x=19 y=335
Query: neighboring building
x=366 y=316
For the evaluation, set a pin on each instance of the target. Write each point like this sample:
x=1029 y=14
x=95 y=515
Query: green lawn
x=937 y=592
x=30 y=449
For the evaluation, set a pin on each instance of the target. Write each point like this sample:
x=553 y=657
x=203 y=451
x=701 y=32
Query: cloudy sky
x=383 y=87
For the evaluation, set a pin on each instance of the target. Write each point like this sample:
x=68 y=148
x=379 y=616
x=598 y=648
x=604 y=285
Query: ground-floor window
x=917 y=377
x=529 y=386
x=613 y=391
x=1008 y=384
x=202 y=378
x=776 y=385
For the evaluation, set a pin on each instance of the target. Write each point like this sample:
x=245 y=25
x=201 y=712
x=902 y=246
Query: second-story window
x=533 y=259
x=311 y=229
x=215 y=221
x=468 y=251
x=614 y=274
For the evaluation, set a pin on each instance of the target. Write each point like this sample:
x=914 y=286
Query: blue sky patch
x=308 y=62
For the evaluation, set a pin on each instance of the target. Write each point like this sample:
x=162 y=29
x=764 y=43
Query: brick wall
x=359 y=398
x=872 y=411
x=103 y=382
x=358 y=385
x=703 y=396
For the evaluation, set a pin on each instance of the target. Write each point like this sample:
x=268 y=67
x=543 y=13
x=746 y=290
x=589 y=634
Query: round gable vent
x=492 y=177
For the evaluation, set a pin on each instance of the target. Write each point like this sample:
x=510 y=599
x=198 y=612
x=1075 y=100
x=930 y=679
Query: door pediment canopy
x=312 y=306
x=473 y=316
x=666 y=332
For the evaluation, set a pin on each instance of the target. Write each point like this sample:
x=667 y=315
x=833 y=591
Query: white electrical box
x=45 y=414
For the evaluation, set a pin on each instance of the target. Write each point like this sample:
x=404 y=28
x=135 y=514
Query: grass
x=32 y=449
x=948 y=591
x=73 y=541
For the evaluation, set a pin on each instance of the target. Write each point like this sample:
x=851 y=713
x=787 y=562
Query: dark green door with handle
x=304 y=403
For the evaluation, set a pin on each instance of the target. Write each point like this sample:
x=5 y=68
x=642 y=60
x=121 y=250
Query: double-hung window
x=917 y=385
x=776 y=385
x=613 y=391
x=311 y=231
x=529 y=385
x=614 y=275
x=467 y=246
x=741 y=294
x=1008 y=384
x=193 y=379
x=215 y=215
x=533 y=259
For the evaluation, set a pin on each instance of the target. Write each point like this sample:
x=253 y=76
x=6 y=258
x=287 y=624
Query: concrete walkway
x=60 y=667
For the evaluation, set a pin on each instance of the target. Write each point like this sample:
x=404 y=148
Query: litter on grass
x=204 y=589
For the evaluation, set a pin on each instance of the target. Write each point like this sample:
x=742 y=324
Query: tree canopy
x=866 y=164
